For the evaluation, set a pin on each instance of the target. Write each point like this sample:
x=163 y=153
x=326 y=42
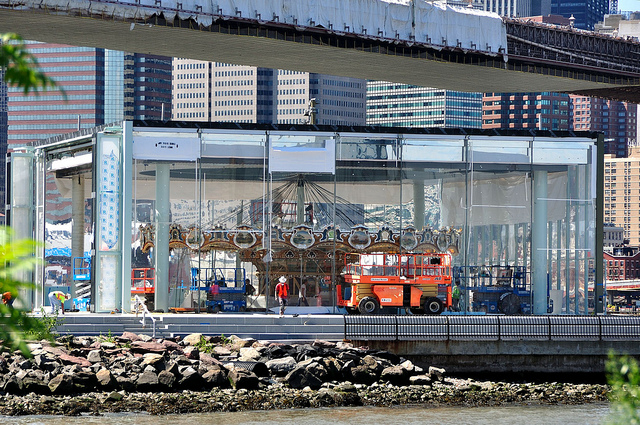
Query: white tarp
x=419 y=20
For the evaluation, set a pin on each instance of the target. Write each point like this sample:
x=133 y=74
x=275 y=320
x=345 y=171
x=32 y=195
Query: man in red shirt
x=282 y=294
x=7 y=299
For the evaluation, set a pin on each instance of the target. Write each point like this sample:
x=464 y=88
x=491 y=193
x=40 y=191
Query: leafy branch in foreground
x=16 y=257
x=21 y=67
x=623 y=375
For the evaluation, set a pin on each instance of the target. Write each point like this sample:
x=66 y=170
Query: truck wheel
x=433 y=305
x=509 y=303
x=217 y=309
x=368 y=305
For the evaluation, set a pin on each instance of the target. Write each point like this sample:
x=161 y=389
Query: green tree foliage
x=623 y=374
x=16 y=257
x=21 y=68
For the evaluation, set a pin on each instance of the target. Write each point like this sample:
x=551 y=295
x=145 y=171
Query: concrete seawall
x=511 y=356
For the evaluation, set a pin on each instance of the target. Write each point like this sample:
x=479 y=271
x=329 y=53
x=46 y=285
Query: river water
x=510 y=415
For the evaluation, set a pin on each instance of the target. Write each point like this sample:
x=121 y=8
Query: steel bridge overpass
x=536 y=57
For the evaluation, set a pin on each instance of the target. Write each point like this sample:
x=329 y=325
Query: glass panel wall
x=499 y=216
x=242 y=207
x=233 y=187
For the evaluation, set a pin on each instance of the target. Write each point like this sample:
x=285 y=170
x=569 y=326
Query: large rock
x=221 y=351
x=190 y=379
x=105 y=379
x=215 y=377
x=192 y=339
x=192 y=353
x=94 y=356
x=147 y=381
x=147 y=347
x=408 y=366
x=281 y=367
x=237 y=343
x=166 y=379
x=208 y=360
x=362 y=374
x=34 y=382
x=126 y=383
x=300 y=378
x=61 y=384
x=420 y=380
x=316 y=367
x=249 y=354
x=145 y=338
x=83 y=381
x=174 y=368
x=436 y=374
x=11 y=385
x=153 y=359
x=396 y=375
x=241 y=378
x=129 y=337
x=44 y=361
x=171 y=346
x=323 y=344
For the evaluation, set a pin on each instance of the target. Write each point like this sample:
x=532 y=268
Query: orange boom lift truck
x=418 y=282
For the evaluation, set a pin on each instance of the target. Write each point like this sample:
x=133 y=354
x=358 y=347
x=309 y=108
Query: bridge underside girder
x=318 y=50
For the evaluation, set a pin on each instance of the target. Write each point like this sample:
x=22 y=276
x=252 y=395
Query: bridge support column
x=418 y=204
x=539 y=242
x=161 y=246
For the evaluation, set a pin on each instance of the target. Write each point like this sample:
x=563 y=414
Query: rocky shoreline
x=134 y=373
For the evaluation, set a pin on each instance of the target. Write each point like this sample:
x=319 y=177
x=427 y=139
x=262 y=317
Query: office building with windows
x=95 y=87
x=542 y=111
x=221 y=92
x=617 y=120
x=79 y=73
x=587 y=13
x=394 y=104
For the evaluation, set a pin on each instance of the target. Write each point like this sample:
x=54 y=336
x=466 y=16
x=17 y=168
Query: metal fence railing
x=491 y=328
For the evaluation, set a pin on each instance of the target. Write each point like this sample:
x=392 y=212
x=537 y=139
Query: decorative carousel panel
x=409 y=239
x=359 y=238
x=244 y=238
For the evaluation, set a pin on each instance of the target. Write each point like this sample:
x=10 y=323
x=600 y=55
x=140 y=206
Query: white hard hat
x=282 y=279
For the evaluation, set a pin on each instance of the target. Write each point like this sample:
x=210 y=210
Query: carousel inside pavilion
x=205 y=217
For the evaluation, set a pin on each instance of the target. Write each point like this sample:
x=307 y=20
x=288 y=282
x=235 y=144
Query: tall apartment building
x=393 y=104
x=617 y=120
x=622 y=194
x=542 y=111
x=218 y=92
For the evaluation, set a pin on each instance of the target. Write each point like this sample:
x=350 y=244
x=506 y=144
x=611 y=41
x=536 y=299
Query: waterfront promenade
x=462 y=344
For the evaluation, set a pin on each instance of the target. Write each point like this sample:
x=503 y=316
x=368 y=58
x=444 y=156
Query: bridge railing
x=491 y=328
